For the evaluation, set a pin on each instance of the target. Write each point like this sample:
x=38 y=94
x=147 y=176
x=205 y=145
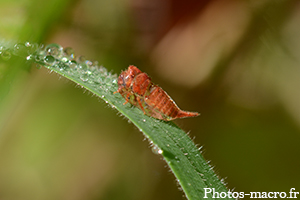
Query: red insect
x=136 y=87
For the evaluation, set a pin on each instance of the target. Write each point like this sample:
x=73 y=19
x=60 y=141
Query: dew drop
x=49 y=60
x=88 y=72
x=64 y=59
x=29 y=57
x=31 y=47
x=97 y=81
x=54 y=49
x=82 y=66
x=156 y=150
x=73 y=64
x=81 y=59
x=89 y=63
x=84 y=77
x=41 y=46
x=27 y=44
x=69 y=53
x=103 y=70
x=95 y=63
x=108 y=83
x=19 y=49
x=62 y=66
x=144 y=120
x=40 y=56
x=5 y=54
x=38 y=66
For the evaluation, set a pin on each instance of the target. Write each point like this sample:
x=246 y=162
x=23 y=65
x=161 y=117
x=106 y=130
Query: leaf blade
x=192 y=171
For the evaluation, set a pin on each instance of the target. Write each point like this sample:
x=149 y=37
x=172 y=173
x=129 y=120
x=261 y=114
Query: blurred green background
x=235 y=62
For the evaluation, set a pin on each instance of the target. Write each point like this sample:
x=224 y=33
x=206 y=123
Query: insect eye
x=121 y=80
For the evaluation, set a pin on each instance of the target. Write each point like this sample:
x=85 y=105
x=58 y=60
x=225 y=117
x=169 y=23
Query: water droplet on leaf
x=50 y=60
x=69 y=53
x=38 y=66
x=5 y=54
x=54 y=49
x=29 y=57
x=84 y=77
x=73 y=64
x=19 y=49
x=156 y=150
x=89 y=63
x=83 y=66
x=81 y=59
x=62 y=66
x=40 y=56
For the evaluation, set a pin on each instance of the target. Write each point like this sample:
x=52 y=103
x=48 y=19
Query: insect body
x=136 y=87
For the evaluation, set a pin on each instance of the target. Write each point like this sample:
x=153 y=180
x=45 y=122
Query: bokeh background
x=237 y=62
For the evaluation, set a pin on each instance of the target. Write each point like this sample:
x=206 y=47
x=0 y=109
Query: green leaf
x=192 y=171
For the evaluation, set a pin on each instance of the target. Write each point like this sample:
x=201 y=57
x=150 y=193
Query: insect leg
x=118 y=91
x=140 y=103
x=127 y=98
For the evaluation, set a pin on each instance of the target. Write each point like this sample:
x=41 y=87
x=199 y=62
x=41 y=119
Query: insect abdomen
x=160 y=101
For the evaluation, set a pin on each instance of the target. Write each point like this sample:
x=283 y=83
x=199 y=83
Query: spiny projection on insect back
x=136 y=87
